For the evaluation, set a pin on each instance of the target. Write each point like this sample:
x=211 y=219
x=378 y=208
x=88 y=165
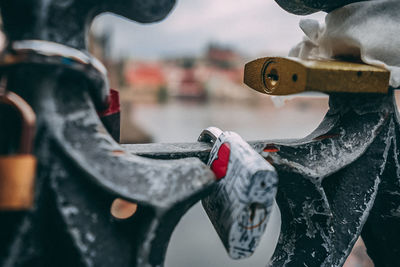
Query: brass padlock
x=284 y=76
x=17 y=164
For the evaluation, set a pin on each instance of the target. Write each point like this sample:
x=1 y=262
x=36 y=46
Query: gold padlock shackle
x=17 y=171
x=28 y=119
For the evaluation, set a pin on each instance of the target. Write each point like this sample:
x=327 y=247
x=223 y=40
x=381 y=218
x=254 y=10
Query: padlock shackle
x=210 y=134
x=28 y=120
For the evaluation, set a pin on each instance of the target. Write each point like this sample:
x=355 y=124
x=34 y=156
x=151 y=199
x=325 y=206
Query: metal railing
x=338 y=183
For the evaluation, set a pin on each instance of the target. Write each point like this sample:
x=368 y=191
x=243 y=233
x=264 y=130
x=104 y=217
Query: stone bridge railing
x=338 y=183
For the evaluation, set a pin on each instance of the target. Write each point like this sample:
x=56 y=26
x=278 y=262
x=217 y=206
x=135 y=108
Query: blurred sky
x=254 y=27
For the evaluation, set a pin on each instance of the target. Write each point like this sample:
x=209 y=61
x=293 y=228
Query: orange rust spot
x=271 y=148
x=122 y=209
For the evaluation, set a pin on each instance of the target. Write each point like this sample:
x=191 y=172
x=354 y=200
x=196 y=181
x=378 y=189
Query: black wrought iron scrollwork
x=304 y=7
x=81 y=168
x=340 y=182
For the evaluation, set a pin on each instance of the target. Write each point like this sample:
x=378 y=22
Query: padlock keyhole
x=272 y=78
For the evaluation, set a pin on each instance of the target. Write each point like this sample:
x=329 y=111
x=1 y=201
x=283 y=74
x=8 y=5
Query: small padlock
x=17 y=164
x=240 y=206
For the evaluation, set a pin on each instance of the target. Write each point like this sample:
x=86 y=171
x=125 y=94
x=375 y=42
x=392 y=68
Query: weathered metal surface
x=171 y=150
x=81 y=169
x=284 y=76
x=40 y=52
x=163 y=189
x=337 y=183
x=67 y=22
x=381 y=231
x=305 y=7
x=329 y=181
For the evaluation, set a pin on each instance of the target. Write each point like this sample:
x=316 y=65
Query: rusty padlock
x=17 y=164
x=240 y=206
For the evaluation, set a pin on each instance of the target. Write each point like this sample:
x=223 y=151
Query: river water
x=195 y=242
x=183 y=121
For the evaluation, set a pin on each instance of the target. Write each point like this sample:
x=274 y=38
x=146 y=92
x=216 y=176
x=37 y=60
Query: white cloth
x=367 y=30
